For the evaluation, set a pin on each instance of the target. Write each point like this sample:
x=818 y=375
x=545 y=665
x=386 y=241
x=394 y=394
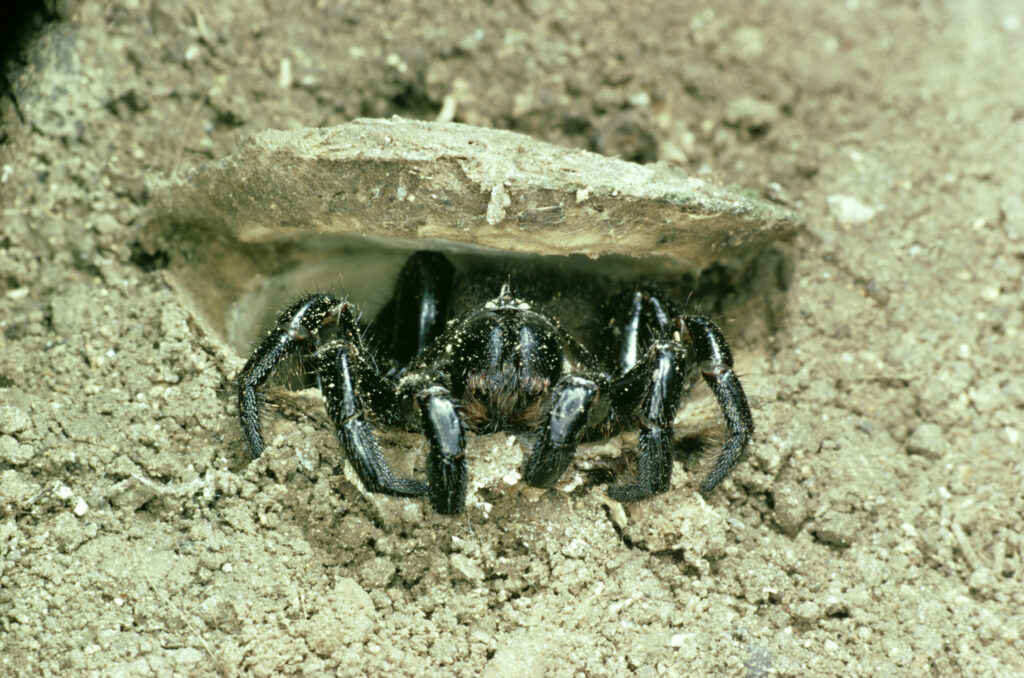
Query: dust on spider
x=502 y=365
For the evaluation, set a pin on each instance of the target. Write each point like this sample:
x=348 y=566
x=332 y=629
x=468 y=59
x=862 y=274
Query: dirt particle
x=14 y=453
x=466 y=569
x=375 y=573
x=16 y=490
x=219 y=612
x=927 y=440
x=13 y=419
x=755 y=116
x=807 y=612
x=792 y=505
x=837 y=530
x=347 y=616
x=68 y=532
x=850 y=210
x=524 y=656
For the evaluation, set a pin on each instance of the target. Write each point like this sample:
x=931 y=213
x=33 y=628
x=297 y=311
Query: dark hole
x=148 y=261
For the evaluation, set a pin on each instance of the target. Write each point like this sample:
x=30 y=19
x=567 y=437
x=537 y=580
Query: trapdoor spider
x=500 y=366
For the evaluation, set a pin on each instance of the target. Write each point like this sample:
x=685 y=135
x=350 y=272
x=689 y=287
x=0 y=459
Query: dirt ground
x=876 y=526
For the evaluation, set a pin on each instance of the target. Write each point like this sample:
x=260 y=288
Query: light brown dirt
x=876 y=527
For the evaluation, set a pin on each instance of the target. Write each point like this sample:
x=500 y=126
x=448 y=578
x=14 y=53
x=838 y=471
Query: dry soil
x=876 y=527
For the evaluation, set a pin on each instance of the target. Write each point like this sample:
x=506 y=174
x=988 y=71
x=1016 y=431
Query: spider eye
x=506 y=304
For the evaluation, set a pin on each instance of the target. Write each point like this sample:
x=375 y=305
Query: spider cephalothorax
x=500 y=366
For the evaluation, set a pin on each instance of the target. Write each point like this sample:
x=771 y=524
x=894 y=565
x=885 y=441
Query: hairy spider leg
x=298 y=329
x=418 y=310
x=648 y=318
x=340 y=365
x=447 y=473
x=560 y=431
x=714 y=359
x=660 y=377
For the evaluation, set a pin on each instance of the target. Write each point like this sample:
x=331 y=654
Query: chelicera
x=502 y=365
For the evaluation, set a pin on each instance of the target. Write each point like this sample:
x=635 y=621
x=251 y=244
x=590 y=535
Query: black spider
x=500 y=366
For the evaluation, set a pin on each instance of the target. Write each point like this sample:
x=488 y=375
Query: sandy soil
x=875 y=528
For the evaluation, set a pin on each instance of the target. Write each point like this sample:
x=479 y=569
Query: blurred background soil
x=876 y=526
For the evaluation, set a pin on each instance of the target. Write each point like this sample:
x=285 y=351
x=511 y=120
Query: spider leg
x=417 y=311
x=447 y=474
x=339 y=365
x=297 y=329
x=715 y=361
x=635 y=319
x=571 y=401
x=664 y=369
x=628 y=344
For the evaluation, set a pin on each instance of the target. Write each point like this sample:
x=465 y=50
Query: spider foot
x=553 y=452
x=338 y=365
x=715 y=362
x=654 y=473
x=447 y=474
x=360 y=444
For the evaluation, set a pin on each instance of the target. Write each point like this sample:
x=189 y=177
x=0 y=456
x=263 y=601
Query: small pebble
x=13 y=419
x=990 y=293
x=838 y=530
x=850 y=210
x=465 y=567
x=928 y=441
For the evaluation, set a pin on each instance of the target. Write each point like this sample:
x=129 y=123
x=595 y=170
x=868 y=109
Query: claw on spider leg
x=447 y=474
x=360 y=444
x=337 y=366
x=297 y=329
x=561 y=431
x=715 y=360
